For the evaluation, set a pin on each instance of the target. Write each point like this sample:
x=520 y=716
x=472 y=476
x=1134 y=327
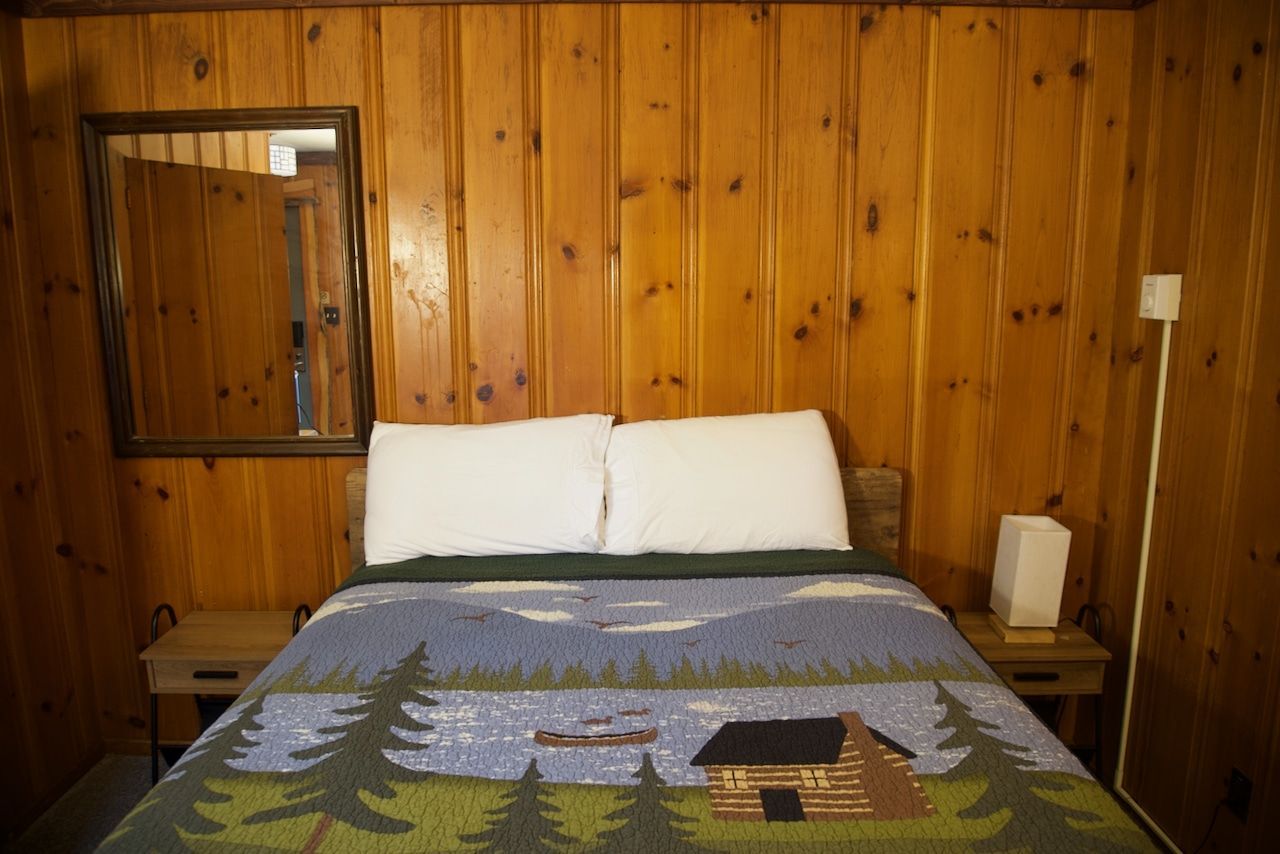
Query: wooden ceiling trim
x=56 y=8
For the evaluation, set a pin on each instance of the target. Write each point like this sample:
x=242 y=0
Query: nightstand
x=1074 y=665
x=212 y=653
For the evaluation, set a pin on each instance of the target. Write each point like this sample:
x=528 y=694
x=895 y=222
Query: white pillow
x=517 y=487
x=724 y=484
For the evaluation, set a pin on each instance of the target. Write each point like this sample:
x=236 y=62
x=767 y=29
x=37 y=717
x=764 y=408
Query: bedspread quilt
x=795 y=701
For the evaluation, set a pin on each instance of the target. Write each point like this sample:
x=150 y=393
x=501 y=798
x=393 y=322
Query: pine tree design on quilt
x=356 y=760
x=524 y=823
x=650 y=824
x=1034 y=822
x=181 y=793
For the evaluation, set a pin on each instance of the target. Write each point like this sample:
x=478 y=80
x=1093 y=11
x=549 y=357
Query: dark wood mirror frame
x=343 y=120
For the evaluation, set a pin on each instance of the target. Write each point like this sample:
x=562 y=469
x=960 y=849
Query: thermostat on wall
x=1161 y=297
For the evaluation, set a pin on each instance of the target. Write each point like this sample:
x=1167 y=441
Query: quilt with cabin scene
x=660 y=703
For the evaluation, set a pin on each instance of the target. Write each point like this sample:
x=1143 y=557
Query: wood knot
x=1257 y=48
x=873 y=218
x=521 y=377
x=1037 y=79
x=1055 y=309
x=209 y=462
x=373 y=198
x=569 y=251
x=1168 y=606
x=1077 y=68
x=484 y=394
x=674 y=380
x=1075 y=426
x=800 y=332
x=64 y=549
x=224 y=393
x=1136 y=354
x=855 y=307
x=865 y=23
x=629 y=189
x=1170 y=63
x=450 y=397
x=1054 y=500
x=420 y=399
x=815 y=309
x=1237 y=73
x=163 y=493
x=500 y=135
x=201 y=68
x=1018 y=315
x=655 y=382
x=681 y=184
x=826 y=122
x=735 y=185
x=535 y=142
x=1213 y=656
x=985 y=235
x=313 y=33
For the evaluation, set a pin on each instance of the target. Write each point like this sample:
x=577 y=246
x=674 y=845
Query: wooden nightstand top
x=1073 y=643
x=243 y=636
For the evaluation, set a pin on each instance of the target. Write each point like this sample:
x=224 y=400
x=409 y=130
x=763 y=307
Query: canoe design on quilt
x=607 y=739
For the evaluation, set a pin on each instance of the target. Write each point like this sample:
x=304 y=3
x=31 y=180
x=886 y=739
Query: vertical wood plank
x=1048 y=72
x=965 y=144
x=75 y=397
x=575 y=248
x=890 y=89
x=730 y=126
x=805 y=258
x=181 y=58
x=652 y=112
x=494 y=145
x=1104 y=133
x=48 y=690
x=417 y=212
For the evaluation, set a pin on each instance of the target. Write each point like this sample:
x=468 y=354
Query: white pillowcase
x=517 y=487
x=724 y=484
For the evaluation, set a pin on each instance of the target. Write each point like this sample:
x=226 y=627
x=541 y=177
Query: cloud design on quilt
x=513 y=587
x=660 y=626
x=845 y=590
x=541 y=616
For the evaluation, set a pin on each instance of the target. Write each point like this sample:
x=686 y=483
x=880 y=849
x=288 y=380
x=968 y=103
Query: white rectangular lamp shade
x=1031 y=566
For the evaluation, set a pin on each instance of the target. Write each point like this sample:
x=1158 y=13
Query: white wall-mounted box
x=1161 y=297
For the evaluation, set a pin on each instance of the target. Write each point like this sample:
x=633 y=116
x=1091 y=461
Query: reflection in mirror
x=237 y=305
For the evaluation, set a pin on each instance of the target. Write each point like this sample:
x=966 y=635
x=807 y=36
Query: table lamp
x=1026 y=589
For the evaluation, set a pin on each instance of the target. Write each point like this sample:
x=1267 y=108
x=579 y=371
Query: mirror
x=234 y=310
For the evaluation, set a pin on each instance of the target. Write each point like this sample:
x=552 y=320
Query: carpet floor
x=91 y=809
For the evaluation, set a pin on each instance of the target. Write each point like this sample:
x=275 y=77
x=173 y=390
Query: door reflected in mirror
x=236 y=320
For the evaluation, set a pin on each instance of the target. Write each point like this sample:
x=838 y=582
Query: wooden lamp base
x=1021 y=634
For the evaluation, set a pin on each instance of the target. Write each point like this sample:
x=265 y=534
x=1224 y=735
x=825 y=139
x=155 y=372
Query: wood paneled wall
x=904 y=217
x=1207 y=696
x=913 y=219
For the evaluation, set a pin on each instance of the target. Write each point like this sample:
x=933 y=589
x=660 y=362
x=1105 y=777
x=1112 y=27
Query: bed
x=790 y=700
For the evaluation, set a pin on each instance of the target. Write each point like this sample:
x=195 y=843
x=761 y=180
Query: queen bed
x=797 y=699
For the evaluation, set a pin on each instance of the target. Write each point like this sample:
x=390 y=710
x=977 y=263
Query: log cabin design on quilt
x=819 y=769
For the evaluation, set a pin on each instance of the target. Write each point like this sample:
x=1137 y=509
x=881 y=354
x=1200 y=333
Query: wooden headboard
x=872 y=495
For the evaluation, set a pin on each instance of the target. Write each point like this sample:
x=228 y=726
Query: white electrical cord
x=1144 y=555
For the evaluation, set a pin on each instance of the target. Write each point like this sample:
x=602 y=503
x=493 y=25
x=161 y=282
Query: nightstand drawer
x=1052 y=678
x=202 y=677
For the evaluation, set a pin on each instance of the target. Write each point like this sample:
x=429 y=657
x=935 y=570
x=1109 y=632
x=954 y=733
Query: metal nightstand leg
x=163 y=608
